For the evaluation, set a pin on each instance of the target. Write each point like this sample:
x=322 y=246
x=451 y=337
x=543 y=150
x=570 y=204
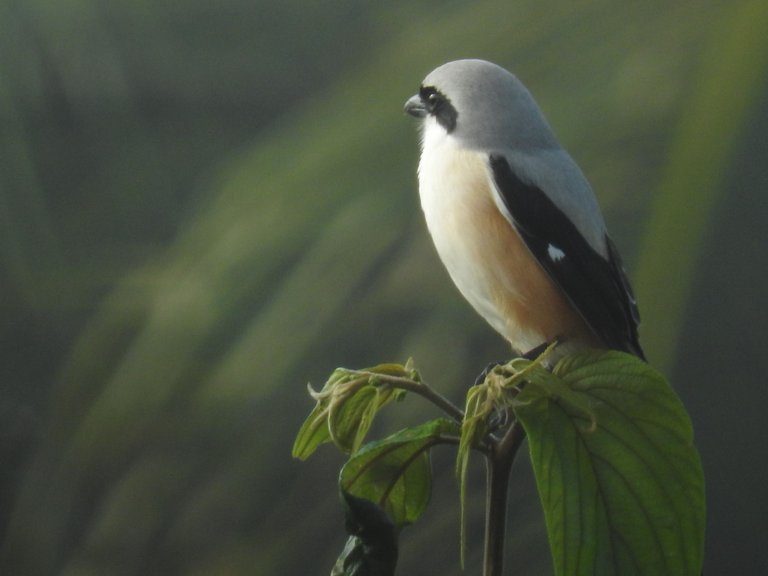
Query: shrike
x=513 y=218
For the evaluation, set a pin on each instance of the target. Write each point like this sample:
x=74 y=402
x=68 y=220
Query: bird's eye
x=439 y=106
x=431 y=97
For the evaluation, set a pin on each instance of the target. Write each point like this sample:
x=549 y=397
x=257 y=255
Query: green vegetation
x=618 y=475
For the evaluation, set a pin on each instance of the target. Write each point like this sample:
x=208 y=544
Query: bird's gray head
x=483 y=106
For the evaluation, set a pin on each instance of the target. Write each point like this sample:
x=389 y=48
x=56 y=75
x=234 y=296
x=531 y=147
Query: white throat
x=454 y=187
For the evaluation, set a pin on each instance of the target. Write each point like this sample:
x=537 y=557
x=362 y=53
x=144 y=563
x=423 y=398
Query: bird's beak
x=415 y=107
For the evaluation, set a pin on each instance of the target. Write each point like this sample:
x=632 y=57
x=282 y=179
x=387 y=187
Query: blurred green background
x=205 y=205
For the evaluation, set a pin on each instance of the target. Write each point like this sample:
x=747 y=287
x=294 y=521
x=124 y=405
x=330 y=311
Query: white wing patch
x=555 y=254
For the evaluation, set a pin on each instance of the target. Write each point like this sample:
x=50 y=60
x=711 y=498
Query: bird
x=513 y=218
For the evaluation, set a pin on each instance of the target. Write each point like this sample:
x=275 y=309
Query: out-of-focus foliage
x=204 y=205
x=691 y=185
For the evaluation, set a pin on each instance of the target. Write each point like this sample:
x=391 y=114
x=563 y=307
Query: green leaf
x=315 y=431
x=395 y=473
x=372 y=547
x=346 y=407
x=350 y=420
x=483 y=401
x=616 y=468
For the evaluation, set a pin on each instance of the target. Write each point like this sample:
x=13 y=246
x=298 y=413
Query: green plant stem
x=421 y=388
x=499 y=465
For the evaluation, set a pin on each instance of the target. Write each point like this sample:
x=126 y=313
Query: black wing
x=597 y=287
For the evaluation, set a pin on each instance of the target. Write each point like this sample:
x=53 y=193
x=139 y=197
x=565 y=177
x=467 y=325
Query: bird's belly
x=484 y=255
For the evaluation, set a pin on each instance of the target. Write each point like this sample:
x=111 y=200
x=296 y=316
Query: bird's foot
x=487 y=370
x=534 y=353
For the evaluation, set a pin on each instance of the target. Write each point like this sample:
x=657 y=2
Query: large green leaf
x=395 y=472
x=616 y=468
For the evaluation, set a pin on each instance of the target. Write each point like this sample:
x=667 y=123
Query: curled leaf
x=346 y=407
